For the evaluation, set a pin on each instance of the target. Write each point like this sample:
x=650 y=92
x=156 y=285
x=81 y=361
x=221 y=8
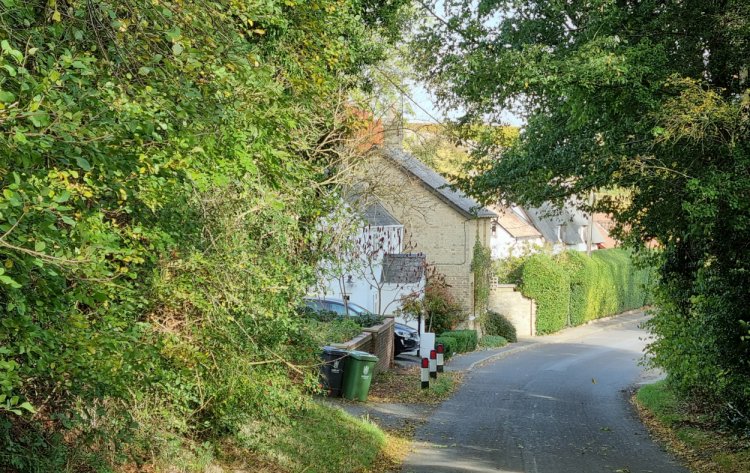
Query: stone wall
x=507 y=300
x=377 y=340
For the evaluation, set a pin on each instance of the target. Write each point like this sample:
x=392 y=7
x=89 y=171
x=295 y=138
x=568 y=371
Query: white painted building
x=376 y=275
x=513 y=234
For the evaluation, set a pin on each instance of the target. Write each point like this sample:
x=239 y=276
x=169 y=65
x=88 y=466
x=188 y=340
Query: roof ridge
x=436 y=183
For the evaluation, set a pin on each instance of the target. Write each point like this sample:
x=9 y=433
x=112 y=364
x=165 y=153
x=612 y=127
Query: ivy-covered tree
x=160 y=165
x=649 y=97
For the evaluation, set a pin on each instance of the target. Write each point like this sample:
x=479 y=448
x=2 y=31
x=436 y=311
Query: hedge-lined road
x=560 y=406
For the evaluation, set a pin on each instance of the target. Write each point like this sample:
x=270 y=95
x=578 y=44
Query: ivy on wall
x=481 y=267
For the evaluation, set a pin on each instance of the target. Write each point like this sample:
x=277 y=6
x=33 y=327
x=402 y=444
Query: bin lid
x=335 y=351
x=363 y=355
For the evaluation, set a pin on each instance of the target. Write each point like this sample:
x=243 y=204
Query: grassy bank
x=320 y=439
x=691 y=434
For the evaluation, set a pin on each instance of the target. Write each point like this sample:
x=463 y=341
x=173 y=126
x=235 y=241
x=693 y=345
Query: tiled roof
x=513 y=224
x=437 y=184
x=548 y=219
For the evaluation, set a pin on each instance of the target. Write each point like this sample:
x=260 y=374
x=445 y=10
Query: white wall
x=503 y=245
x=362 y=279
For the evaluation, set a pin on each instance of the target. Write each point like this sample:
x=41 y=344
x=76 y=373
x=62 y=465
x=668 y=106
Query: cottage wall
x=433 y=227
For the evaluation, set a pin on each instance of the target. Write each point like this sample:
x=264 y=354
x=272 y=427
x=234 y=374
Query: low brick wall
x=520 y=311
x=377 y=340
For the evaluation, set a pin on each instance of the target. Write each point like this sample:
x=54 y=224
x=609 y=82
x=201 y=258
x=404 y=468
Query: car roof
x=336 y=301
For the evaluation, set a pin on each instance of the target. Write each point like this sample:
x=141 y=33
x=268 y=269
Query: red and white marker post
x=425 y=373
x=440 y=357
x=433 y=364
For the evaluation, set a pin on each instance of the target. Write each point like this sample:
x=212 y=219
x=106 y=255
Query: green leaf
x=177 y=49
x=40 y=246
x=68 y=220
x=8 y=281
x=83 y=163
x=6 y=97
x=63 y=197
x=26 y=405
x=39 y=119
x=20 y=138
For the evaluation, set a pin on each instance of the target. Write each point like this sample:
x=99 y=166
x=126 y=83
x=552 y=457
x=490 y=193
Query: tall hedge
x=547 y=282
x=572 y=288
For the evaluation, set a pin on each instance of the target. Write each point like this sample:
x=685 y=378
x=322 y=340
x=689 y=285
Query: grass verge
x=692 y=435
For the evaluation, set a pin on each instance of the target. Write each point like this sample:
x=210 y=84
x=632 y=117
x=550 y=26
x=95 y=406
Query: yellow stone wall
x=433 y=226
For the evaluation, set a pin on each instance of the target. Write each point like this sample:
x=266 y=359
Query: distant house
x=512 y=233
x=441 y=223
x=564 y=229
x=604 y=225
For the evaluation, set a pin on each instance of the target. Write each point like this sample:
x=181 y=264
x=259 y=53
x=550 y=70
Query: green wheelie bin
x=360 y=366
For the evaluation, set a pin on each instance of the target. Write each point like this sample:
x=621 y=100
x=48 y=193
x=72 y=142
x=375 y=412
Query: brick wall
x=377 y=340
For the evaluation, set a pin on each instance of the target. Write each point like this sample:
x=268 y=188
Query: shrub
x=492 y=341
x=497 y=324
x=439 y=308
x=449 y=345
x=466 y=340
x=545 y=281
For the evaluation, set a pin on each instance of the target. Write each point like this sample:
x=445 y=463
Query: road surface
x=559 y=406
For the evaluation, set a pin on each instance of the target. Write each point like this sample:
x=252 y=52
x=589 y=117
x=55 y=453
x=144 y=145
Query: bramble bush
x=160 y=168
x=492 y=341
x=449 y=343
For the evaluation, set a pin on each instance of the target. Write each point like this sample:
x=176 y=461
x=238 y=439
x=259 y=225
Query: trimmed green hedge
x=547 y=282
x=466 y=340
x=449 y=345
x=572 y=288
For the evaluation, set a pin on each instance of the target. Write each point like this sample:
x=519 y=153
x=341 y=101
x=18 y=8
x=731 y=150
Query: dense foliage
x=449 y=345
x=159 y=164
x=651 y=97
x=548 y=284
x=572 y=288
x=494 y=324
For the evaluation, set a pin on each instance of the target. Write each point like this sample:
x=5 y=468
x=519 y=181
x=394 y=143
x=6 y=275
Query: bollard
x=440 y=357
x=433 y=364
x=425 y=373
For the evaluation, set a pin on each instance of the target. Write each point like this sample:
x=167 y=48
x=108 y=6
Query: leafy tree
x=161 y=166
x=647 y=96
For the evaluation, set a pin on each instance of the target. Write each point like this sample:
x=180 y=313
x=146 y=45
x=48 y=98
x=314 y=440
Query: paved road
x=559 y=406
